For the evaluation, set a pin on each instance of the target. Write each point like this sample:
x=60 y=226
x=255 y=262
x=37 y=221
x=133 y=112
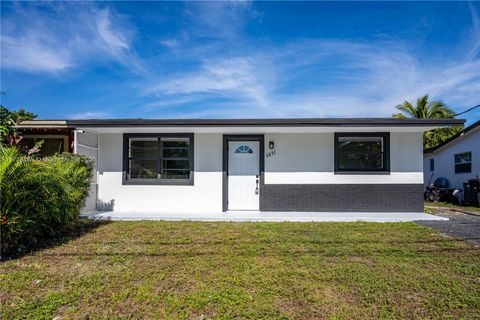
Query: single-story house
x=222 y=165
x=457 y=159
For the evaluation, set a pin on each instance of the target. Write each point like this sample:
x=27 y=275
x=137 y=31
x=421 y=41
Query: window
x=463 y=162
x=432 y=164
x=362 y=152
x=158 y=159
x=244 y=149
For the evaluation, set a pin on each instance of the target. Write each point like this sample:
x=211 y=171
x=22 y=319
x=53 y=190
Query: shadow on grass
x=61 y=236
x=335 y=242
x=417 y=253
x=351 y=248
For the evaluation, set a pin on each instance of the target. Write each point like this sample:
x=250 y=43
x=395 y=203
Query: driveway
x=459 y=225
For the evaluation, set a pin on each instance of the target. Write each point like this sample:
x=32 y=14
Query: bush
x=38 y=196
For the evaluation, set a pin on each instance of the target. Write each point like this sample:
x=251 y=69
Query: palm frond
x=429 y=110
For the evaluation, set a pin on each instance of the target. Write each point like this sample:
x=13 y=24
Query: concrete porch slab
x=264 y=216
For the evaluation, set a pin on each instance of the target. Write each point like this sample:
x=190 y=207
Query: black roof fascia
x=356 y=122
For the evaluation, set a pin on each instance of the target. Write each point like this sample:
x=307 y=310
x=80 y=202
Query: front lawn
x=199 y=270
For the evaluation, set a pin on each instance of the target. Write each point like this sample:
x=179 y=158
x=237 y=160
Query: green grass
x=197 y=270
x=453 y=206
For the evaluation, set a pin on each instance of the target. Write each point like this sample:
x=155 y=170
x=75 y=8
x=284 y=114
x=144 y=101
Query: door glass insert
x=244 y=149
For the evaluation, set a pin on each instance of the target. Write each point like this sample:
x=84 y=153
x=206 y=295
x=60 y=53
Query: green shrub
x=37 y=196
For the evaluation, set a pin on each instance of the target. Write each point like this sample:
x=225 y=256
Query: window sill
x=140 y=182
x=381 y=173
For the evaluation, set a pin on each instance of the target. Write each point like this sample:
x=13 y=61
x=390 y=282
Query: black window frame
x=159 y=136
x=386 y=152
x=432 y=164
x=469 y=163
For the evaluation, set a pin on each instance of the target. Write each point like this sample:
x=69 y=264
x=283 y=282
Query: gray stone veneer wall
x=342 y=197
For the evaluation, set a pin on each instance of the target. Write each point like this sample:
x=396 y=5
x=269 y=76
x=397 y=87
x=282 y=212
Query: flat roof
x=42 y=124
x=305 y=122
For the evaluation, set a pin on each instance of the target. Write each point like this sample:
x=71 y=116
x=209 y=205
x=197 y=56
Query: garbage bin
x=471 y=190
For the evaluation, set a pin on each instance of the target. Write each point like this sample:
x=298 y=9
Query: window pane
x=143 y=148
x=175 y=158
x=463 y=157
x=143 y=169
x=175 y=164
x=148 y=154
x=176 y=174
x=145 y=153
x=463 y=168
x=175 y=142
x=172 y=169
x=176 y=152
x=360 y=153
x=143 y=142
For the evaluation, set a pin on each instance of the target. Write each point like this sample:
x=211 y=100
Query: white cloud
x=31 y=55
x=224 y=19
x=55 y=38
x=238 y=77
x=232 y=78
x=169 y=43
x=300 y=80
x=88 y=115
x=475 y=33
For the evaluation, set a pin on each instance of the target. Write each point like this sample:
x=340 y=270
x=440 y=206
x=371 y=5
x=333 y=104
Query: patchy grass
x=474 y=210
x=199 y=270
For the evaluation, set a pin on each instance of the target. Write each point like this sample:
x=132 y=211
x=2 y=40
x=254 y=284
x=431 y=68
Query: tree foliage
x=8 y=133
x=38 y=196
x=425 y=109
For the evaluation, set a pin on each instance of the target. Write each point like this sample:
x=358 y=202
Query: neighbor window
x=362 y=152
x=162 y=158
x=432 y=164
x=463 y=162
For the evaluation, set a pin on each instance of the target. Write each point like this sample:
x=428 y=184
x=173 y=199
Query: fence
x=86 y=143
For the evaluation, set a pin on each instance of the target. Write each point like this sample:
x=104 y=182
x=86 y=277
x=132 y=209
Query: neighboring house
x=457 y=159
x=200 y=165
x=57 y=136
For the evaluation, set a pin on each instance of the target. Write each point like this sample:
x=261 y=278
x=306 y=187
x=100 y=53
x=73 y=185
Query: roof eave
x=266 y=122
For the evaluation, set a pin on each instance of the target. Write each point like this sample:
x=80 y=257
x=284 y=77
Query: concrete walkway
x=459 y=225
x=265 y=216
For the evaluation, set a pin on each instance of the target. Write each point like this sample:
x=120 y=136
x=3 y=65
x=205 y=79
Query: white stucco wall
x=308 y=158
x=204 y=196
x=300 y=158
x=445 y=163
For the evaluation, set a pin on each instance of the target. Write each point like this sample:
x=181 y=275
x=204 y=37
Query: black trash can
x=471 y=190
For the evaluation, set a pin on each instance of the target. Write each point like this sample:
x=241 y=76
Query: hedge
x=38 y=196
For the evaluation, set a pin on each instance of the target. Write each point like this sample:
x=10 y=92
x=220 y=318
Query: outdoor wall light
x=271 y=145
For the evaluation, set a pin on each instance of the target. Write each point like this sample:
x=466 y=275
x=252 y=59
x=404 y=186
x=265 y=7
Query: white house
x=200 y=165
x=457 y=159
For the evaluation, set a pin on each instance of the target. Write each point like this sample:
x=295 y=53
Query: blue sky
x=238 y=58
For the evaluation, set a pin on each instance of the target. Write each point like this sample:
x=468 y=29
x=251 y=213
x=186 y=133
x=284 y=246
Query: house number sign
x=270 y=153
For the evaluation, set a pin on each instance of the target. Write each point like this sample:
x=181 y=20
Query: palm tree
x=425 y=109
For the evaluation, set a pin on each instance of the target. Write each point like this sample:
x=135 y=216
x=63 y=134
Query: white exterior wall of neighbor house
x=300 y=158
x=445 y=164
